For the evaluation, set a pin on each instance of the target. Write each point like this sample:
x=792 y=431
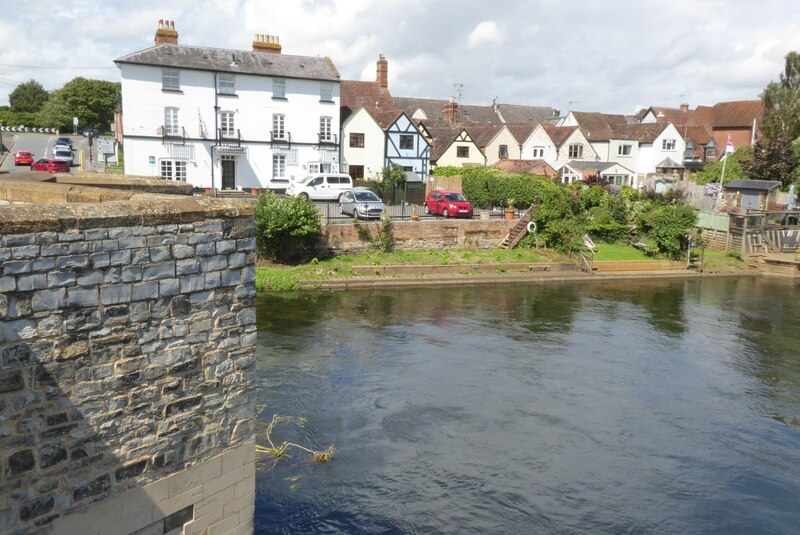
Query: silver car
x=361 y=203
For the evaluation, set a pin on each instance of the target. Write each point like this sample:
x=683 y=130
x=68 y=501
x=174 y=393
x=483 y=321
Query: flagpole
x=724 y=161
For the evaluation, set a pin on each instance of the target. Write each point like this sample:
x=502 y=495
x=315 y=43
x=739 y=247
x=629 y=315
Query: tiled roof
x=385 y=119
x=483 y=134
x=443 y=135
x=514 y=113
x=234 y=61
x=434 y=109
x=368 y=95
x=584 y=165
x=598 y=126
x=559 y=134
x=676 y=116
x=521 y=132
x=643 y=133
x=668 y=163
x=737 y=114
x=534 y=167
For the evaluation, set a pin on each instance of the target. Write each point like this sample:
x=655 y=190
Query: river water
x=635 y=407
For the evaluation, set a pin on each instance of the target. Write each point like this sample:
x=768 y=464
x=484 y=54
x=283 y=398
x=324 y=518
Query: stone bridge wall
x=127 y=334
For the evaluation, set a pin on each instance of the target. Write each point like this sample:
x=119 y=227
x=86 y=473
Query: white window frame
x=624 y=150
x=170 y=80
x=226 y=84
x=171 y=123
x=173 y=170
x=326 y=91
x=325 y=128
x=278 y=126
x=575 y=151
x=279 y=166
x=278 y=88
x=227 y=124
x=668 y=144
x=538 y=153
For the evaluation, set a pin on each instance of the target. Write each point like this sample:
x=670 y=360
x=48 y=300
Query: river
x=635 y=407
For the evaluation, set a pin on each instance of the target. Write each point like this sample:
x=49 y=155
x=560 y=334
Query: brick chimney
x=383 y=72
x=267 y=43
x=684 y=106
x=165 y=33
x=451 y=111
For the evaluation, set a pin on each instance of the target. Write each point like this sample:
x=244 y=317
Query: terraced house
x=228 y=119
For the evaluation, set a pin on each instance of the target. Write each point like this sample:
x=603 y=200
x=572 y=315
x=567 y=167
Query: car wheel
x=445 y=213
x=303 y=196
x=427 y=210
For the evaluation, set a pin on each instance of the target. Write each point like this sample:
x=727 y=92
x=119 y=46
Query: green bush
x=669 y=227
x=287 y=229
x=602 y=225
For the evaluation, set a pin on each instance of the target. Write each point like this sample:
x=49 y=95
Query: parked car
x=86 y=132
x=67 y=142
x=62 y=153
x=361 y=203
x=23 y=157
x=50 y=165
x=447 y=204
x=321 y=187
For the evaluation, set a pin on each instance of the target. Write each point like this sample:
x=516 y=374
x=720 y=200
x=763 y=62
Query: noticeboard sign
x=106 y=146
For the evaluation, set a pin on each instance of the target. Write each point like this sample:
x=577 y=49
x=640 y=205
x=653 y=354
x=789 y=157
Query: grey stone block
x=143 y=231
x=48 y=300
x=120 y=257
x=113 y=275
x=214 y=263
x=187 y=267
x=145 y=290
x=11 y=331
x=249 y=275
x=169 y=287
x=25 y=252
x=246 y=317
x=160 y=254
x=116 y=294
x=201 y=297
x=46 y=237
x=27 y=283
x=80 y=247
x=100 y=260
x=61 y=278
x=208 y=226
x=5 y=254
x=83 y=296
x=43 y=264
x=213 y=280
x=70 y=235
x=19 y=239
x=106 y=246
x=182 y=251
x=55 y=249
x=8 y=284
x=15 y=267
x=226 y=246
x=132 y=243
x=167 y=229
x=139 y=312
x=205 y=249
x=194 y=239
x=96 y=234
x=237 y=260
x=231 y=277
x=131 y=274
x=162 y=270
x=248 y=244
x=140 y=256
x=91 y=278
x=73 y=262
x=119 y=232
x=193 y=283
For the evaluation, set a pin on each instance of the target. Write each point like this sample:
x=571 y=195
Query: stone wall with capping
x=127 y=334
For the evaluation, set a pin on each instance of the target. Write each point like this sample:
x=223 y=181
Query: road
x=41 y=145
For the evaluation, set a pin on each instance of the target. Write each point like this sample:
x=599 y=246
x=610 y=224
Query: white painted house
x=228 y=119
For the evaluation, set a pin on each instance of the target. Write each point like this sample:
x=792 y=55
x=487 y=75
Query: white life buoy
x=531 y=227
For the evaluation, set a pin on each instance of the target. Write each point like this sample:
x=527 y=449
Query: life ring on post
x=531 y=227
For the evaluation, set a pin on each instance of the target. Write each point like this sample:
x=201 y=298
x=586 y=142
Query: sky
x=612 y=56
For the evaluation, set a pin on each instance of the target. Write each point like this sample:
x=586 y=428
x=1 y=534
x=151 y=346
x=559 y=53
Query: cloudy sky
x=613 y=56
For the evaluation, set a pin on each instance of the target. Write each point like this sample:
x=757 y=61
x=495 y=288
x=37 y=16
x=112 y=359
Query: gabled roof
x=483 y=134
x=534 y=167
x=643 y=133
x=668 y=163
x=675 y=116
x=234 y=61
x=385 y=119
x=584 y=165
x=738 y=114
x=764 y=185
x=368 y=95
x=434 y=109
x=598 y=126
x=521 y=132
x=514 y=113
x=559 y=134
x=443 y=136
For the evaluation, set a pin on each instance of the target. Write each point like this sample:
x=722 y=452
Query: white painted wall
x=449 y=157
x=503 y=137
x=373 y=154
x=540 y=138
x=577 y=136
x=143 y=103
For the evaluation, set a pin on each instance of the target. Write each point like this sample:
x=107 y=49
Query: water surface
x=636 y=407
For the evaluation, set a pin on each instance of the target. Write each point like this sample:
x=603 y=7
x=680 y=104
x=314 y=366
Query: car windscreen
x=63 y=154
x=366 y=196
x=454 y=197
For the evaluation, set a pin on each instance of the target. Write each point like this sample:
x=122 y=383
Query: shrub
x=602 y=225
x=670 y=226
x=287 y=229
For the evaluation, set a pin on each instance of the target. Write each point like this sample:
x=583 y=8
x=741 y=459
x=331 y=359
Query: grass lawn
x=616 y=251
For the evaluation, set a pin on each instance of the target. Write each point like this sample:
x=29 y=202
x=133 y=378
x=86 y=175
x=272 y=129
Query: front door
x=228 y=172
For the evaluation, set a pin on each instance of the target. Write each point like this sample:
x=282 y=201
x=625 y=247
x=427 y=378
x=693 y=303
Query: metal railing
x=173 y=135
x=277 y=139
x=331 y=212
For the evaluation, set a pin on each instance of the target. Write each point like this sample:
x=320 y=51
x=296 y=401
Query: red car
x=23 y=157
x=50 y=165
x=447 y=204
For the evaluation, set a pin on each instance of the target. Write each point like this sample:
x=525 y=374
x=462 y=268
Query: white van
x=321 y=187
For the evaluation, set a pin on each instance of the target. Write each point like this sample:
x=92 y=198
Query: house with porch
x=228 y=119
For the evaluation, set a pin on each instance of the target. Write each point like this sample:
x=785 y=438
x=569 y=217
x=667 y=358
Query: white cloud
x=485 y=32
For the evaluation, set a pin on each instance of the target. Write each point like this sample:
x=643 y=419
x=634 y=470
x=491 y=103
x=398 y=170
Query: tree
x=91 y=101
x=774 y=159
x=28 y=97
x=733 y=168
x=287 y=229
x=782 y=101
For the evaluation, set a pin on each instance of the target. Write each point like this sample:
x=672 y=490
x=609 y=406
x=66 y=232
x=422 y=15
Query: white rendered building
x=228 y=119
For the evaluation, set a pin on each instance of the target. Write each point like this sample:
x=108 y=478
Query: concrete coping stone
x=137 y=210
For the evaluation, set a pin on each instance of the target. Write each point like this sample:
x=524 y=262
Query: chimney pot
x=451 y=111
x=165 y=33
x=267 y=43
x=382 y=76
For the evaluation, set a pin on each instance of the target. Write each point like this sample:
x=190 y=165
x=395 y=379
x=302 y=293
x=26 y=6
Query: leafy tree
x=28 y=97
x=773 y=159
x=782 y=101
x=733 y=169
x=91 y=101
x=670 y=226
x=287 y=229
